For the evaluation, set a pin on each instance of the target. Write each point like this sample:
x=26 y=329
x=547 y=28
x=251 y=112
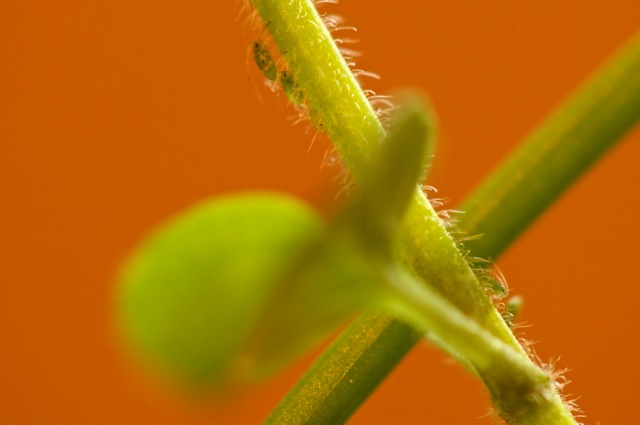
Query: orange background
x=115 y=115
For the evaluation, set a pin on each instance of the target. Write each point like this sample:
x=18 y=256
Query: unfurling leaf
x=390 y=181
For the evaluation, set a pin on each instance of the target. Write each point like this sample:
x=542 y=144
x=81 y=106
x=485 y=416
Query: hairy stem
x=370 y=359
x=343 y=112
x=338 y=102
x=334 y=96
x=522 y=392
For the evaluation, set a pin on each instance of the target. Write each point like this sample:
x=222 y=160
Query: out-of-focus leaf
x=339 y=274
x=330 y=284
x=193 y=291
x=237 y=287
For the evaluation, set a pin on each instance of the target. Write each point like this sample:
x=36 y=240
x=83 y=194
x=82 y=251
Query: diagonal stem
x=339 y=106
x=572 y=139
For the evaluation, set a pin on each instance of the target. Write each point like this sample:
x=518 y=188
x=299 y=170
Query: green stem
x=352 y=378
x=331 y=90
x=522 y=392
x=339 y=381
x=555 y=154
x=340 y=107
x=337 y=101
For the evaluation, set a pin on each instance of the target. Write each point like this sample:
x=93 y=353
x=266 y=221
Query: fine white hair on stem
x=437 y=202
x=250 y=17
x=313 y=139
x=560 y=381
x=470 y=237
x=381 y=100
x=332 y=21
x=346 y=40
x=449 y=213
x=363 y=73
x=330 y=158
x=372 y=95
x=343 y=28
x=285 y=84
x=349 y=54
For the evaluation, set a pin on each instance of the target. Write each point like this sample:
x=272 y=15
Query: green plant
x=280 y=269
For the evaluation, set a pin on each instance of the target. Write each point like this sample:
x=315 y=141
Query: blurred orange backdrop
x=115 y=115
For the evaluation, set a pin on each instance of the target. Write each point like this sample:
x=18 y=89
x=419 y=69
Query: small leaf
x=343 y=272
x=237 y=287
x=191 y=294
x=330 y=283
x=390 y=180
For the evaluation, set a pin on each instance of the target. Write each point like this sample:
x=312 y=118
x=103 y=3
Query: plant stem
x=342 y=110
x=333 y=388
x=522 y=392
x=337 y=101
x=324 y=77
x=351 y=378
x=555 y=154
